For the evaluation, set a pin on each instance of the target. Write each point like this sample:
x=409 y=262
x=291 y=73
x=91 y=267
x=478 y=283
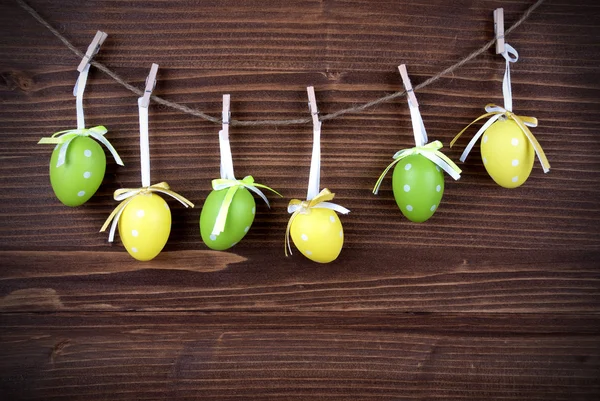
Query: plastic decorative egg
x=318 y=234
x=145 y=225
x=418 y=186
x=75 y=181
x=507 y=154
x=239 y=218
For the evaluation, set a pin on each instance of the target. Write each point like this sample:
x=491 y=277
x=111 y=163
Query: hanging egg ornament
x=418 y=178
x=314 y=226
x=145 y=225
x=143 y=217
x=79 y=177
x=78 y=163
x=229 y=209
x=240 y=216
x=318 y=234
x=418 y=186
x=507 y=154
x=508 y=147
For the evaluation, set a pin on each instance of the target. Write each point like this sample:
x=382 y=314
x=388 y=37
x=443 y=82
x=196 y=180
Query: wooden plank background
x=496 y=297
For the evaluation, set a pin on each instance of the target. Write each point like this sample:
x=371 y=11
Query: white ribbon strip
x=417 y=123
x=485 y=126
x=511 y=56
x=100 y=138
x=115 y=222
x=78 y=93
x=144 y=144
x=226 y=158
x=62 y=153
x=314 y=179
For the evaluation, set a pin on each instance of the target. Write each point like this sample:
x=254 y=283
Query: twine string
x=355 y=109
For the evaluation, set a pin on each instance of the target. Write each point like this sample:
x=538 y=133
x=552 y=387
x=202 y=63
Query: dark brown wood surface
x=495 y=297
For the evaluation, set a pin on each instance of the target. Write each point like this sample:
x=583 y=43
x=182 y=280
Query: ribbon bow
x=495 y=113
x=65 y=138
x=296 y=206
x=127 y=194
x=430 y=151
x=233 y=185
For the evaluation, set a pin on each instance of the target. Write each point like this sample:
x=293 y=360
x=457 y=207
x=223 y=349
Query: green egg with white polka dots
x=418 y=186
x=80 y=176
x=239 y=218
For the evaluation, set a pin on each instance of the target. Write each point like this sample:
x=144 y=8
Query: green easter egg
x=239 y=218
x=80 y=176
x=418 y=186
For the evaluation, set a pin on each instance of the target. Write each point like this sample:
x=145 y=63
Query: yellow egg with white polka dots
x=507 y=154
x=318 y=234
x=145 y=225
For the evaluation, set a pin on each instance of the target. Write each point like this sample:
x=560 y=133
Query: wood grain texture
x=300 y=356
x=496 y=297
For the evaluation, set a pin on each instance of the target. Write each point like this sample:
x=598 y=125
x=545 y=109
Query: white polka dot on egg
x=87 y=174
x=246 y=229
x=408 y=167
x=406 y=188
x=432 y=208
x=81 y=193
x=484 y=160
x=438 y=188
x=304 y=237
x=234 y=244
x=341 y=233
x=87 y=153
x=213 y=237
x=409 y=208
x=515 y=178
x=140 y=213
x=332 y=219
x=254 y=210
x=485 y=139
x=515 y=163
x=134 y=249
x=514 y=142
x=308 y=252
x=134 y=233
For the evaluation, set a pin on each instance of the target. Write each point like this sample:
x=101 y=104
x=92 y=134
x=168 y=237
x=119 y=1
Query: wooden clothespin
x=312 y=104
x=92 y=49
x=226 y=115
x=499 y=30
x=150 y=84
x=408 y=86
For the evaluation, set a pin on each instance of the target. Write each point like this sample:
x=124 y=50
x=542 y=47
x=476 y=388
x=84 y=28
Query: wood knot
x=58 y=349
x=12 y=80
x=333 y=76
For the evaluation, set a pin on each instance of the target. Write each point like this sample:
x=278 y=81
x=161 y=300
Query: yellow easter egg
x=318 y=234
x=507 y=154
x=145 y=225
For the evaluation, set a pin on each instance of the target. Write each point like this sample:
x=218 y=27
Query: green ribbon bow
x=430 y=151
x=64 y=138
x=233 y=186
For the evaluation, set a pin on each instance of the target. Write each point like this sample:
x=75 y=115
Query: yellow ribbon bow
x=233 y=186
x=497 y=112
x=296 y=206
x=127 y=194
x=65 y=138
x=430 y=151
